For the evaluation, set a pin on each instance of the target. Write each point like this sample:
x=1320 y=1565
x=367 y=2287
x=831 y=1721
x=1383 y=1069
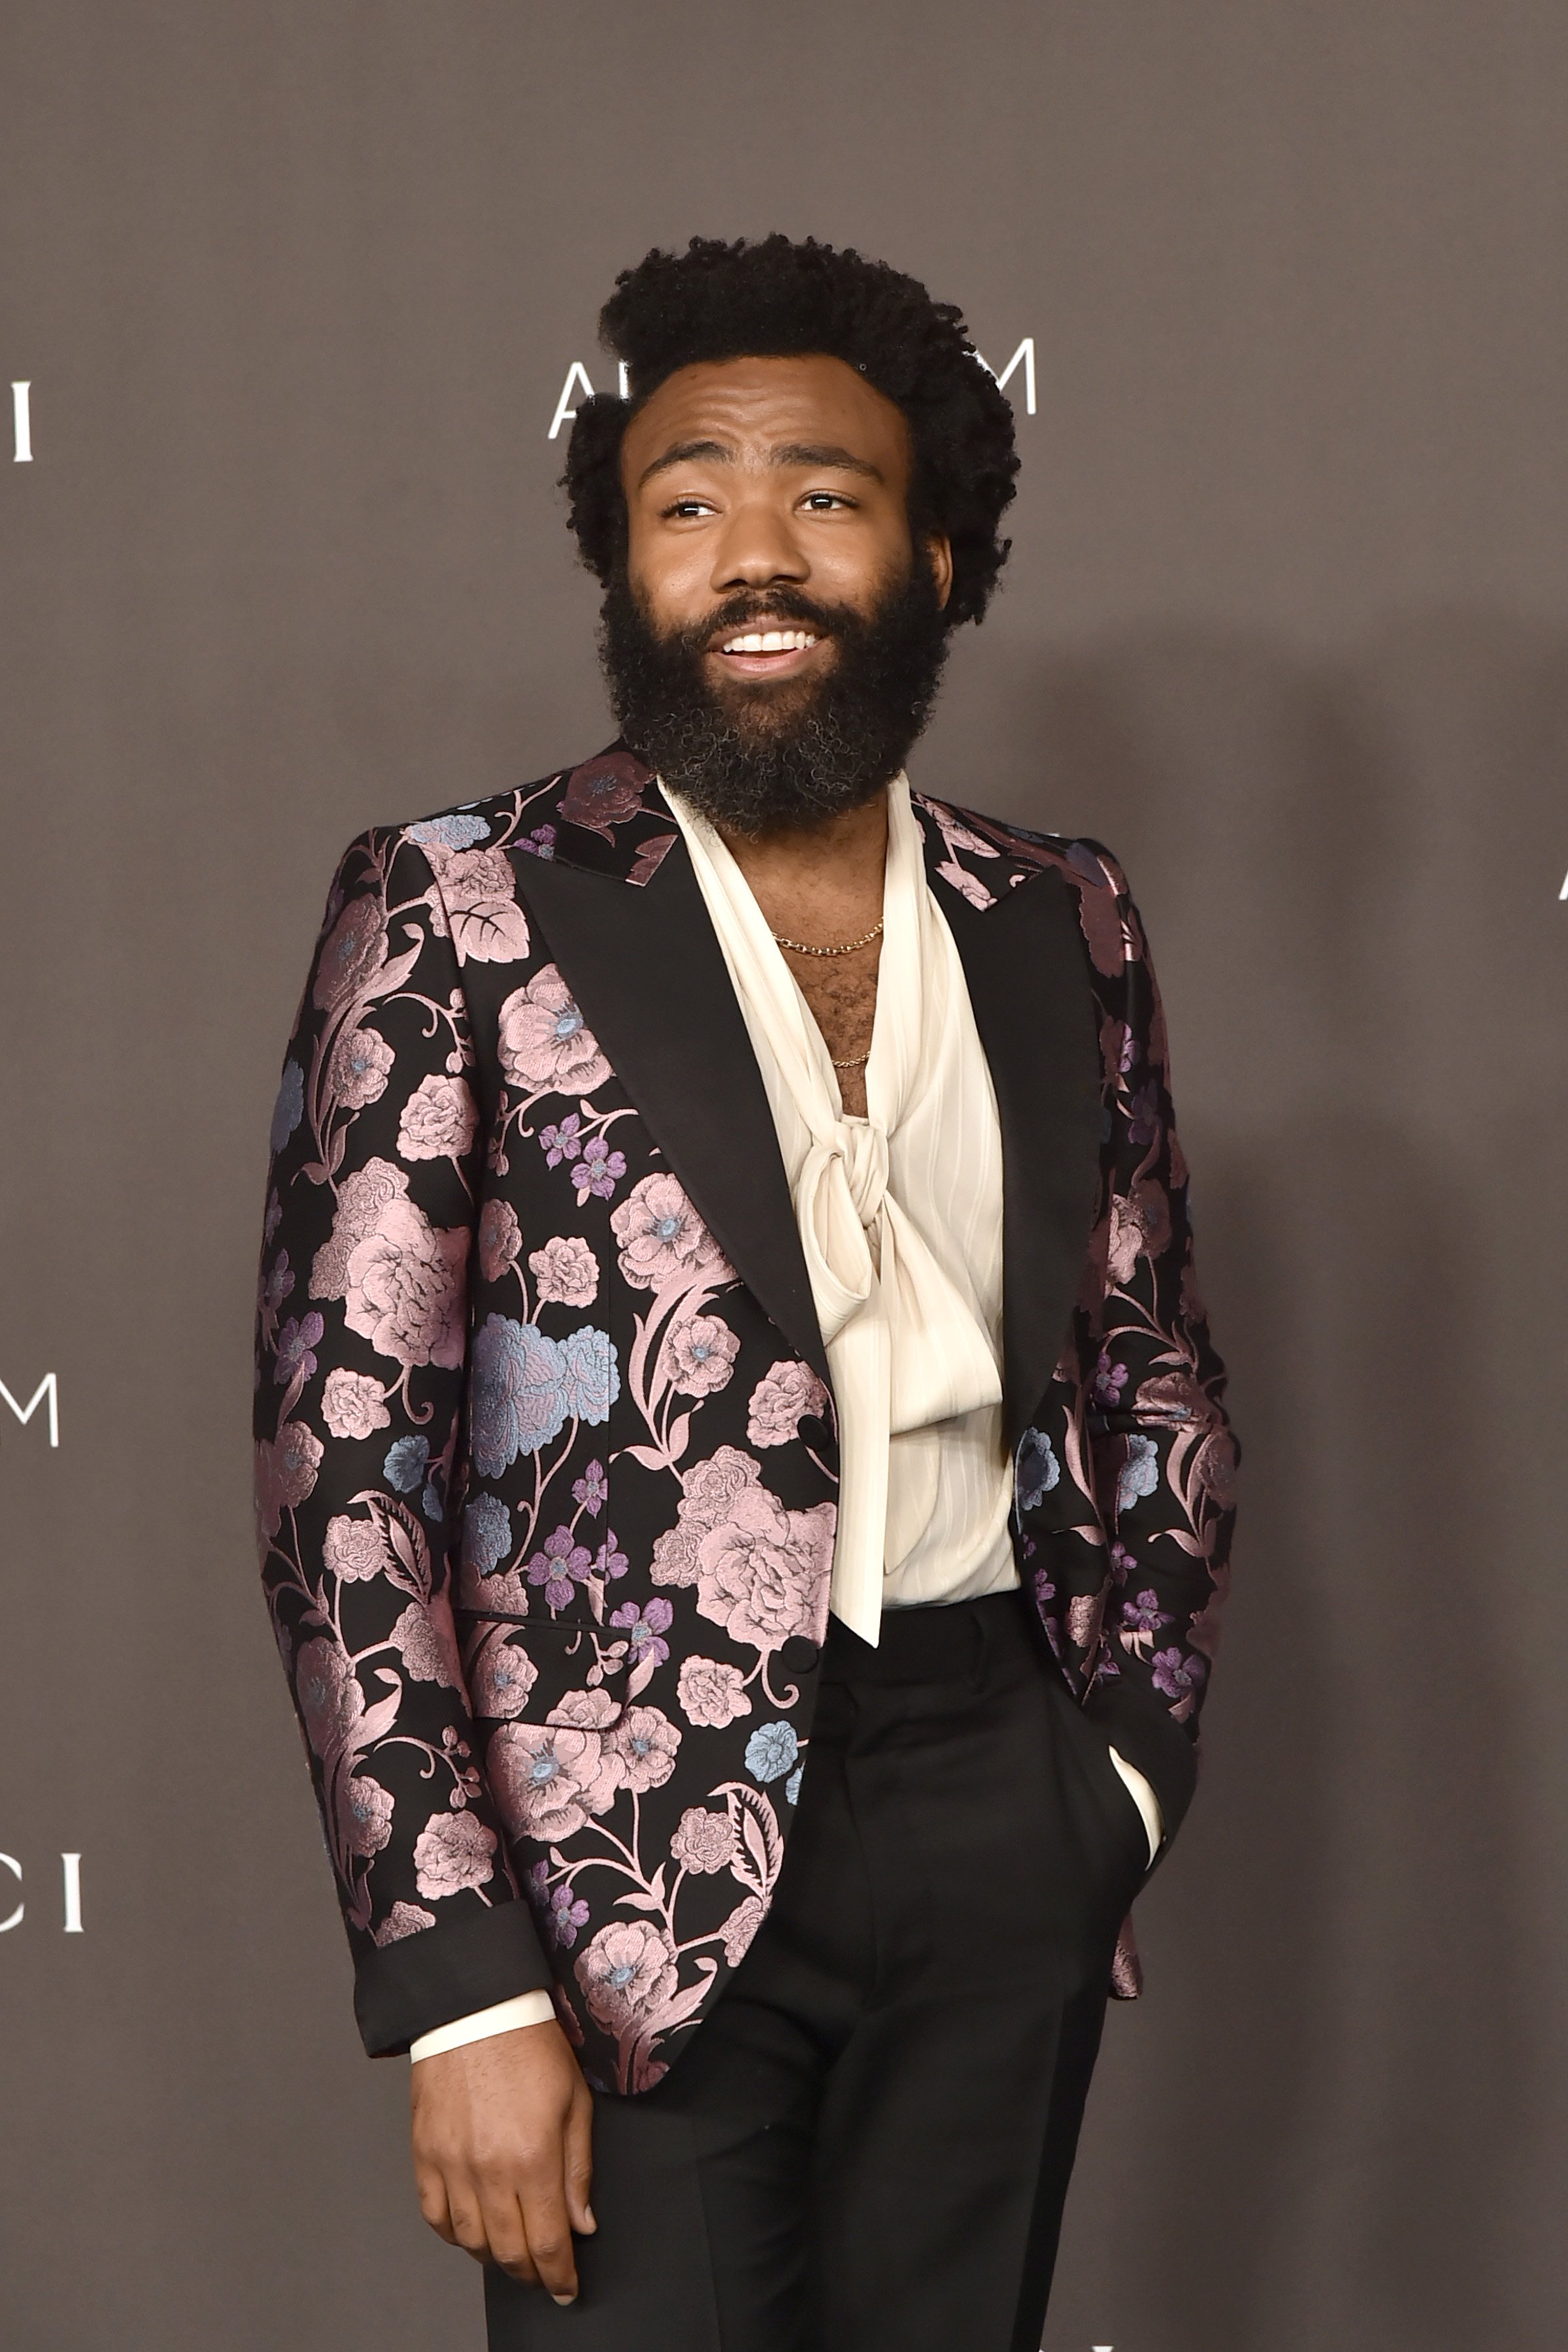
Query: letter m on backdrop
x=1024 y=357
x=48 y=1387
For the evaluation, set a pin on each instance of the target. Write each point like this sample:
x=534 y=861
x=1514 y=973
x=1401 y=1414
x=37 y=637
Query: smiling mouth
x=767 y=653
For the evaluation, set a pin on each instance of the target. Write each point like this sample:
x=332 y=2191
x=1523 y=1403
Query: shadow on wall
x=1318 y=2128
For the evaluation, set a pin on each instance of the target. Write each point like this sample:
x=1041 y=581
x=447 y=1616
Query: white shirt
x=901 y=1223
x=900 y=1214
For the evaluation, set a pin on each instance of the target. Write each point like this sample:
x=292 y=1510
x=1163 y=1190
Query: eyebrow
x=790 y=453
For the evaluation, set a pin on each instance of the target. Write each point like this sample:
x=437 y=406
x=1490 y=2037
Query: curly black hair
x=776 y=298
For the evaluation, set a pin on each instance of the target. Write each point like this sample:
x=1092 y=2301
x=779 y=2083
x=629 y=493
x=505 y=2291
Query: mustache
x=747 y=607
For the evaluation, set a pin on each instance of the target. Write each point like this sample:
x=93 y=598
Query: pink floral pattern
x=439 y=1119
x=790 y=1394
x=549 y=1564
x=543 y=1046
x=566 y=1272
x=702 y=1352
x=663 y=1240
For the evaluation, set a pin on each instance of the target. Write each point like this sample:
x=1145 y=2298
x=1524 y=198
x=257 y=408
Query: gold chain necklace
x=798 y=947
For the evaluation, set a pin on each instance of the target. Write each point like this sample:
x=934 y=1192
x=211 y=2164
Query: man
x=742 y=1484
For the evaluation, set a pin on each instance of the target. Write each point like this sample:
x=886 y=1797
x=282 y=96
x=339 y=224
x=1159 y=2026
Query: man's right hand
x=503 y=2152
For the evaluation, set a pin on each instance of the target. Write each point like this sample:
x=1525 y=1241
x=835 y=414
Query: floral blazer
x=545 y=1449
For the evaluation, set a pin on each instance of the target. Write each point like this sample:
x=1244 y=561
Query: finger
x=506 y=2235
x=430 y=2187
x=468 y=2221
x=550 y=2236
x=579 y=2148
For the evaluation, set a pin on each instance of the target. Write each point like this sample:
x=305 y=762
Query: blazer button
x=798 y=1655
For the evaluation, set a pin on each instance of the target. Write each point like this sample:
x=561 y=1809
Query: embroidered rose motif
x=502 y=1676
x=363 y=1195
x=663 y=1241
x=772 y=1750
x=355 y=1549
x=1035 y=1471
x=739 y=1929
x=403 y=1919
x=286 y=1470
x=646 y=1744
x=427 y=1643
x=785 y=1397
x=328 y=1697
x=701 y=1351
x=710 y=1692
x=516 y=1393
x=703 y=1843
x=761 y=1573
x=366 y=1815
x=706 y=1490
x=566 y=1271
x=460 y=830
x=590 y=1378
x=353 y=1404
x=353 y=948
x=626 y=1971
x=1140 y=1474
x=552 y=1777
x=358 y=1069
x=404 y=1288
x=452 y=1854
x=439 y=1119
x=604 y=792
x=501 y=1239
x=545 y=1043
x=486 y=1533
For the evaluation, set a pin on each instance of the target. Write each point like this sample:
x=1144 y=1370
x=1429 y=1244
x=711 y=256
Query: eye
x=683 y=509
x=824 y=501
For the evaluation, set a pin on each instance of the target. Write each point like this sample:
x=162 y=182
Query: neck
x=836 y=866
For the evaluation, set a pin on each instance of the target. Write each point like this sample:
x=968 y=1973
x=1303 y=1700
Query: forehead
x=751 y=406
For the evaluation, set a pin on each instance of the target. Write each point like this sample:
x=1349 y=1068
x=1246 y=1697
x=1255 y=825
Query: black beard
x=760 y=758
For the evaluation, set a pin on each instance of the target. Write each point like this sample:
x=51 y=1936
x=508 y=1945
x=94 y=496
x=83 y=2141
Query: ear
x=939 y=555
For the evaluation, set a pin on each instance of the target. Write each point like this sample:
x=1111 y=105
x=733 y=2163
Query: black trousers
x=866 y=2148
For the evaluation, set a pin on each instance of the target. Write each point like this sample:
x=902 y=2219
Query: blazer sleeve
x=1164 y=1457
x=361 y=1344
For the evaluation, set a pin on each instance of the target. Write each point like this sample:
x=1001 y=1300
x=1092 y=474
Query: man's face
x=767 y=500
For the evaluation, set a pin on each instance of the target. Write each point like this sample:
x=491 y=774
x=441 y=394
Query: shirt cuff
x=1138 y=1789
x=525 y=2009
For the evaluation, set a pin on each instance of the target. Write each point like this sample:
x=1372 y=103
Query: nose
x=757 y=547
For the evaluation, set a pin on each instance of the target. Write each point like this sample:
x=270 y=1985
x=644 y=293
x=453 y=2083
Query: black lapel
x=1028 y=983
x=646 y=969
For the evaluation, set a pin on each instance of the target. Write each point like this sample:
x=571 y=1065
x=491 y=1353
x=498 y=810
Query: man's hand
x=503 y=2152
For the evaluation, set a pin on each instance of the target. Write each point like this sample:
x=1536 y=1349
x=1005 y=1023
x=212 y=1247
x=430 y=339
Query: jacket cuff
x=407 y=1989
x=1142 y=1731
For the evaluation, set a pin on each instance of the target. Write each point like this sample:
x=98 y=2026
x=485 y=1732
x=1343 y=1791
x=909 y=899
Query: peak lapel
x=646 y=968
x=1019 y=939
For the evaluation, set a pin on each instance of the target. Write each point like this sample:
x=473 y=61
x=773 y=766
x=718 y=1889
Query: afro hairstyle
x=773 y=298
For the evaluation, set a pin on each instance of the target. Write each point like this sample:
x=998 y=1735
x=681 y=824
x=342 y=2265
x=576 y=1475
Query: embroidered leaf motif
x=759 y=1848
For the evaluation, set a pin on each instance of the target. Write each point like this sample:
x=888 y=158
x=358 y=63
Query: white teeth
x=772 y=641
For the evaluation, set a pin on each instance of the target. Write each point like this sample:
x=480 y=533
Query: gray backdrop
x=296 y=286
